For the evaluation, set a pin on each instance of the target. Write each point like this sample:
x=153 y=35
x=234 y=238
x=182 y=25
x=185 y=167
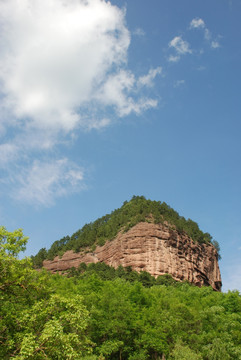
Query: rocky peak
x=156 y=248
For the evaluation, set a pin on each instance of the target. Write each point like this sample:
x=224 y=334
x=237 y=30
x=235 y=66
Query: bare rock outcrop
x=155 y=248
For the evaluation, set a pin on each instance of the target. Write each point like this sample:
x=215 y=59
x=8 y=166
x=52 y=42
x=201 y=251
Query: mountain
x=145 y=235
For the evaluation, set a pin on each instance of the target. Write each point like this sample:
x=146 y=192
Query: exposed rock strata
x=157 y=249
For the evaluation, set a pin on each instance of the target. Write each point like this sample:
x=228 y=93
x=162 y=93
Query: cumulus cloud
x=63 y=68
x=56 y=55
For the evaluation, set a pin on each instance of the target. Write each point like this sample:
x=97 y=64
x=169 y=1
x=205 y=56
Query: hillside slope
x=146 y=235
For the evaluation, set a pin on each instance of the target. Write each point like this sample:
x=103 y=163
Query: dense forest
x=131 y=213
x=96 y=312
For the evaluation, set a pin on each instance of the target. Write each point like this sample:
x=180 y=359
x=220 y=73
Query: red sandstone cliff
x=157 y=249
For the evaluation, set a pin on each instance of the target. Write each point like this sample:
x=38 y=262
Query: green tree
x=217 y=350
x=20 y=287
x=183 y=352
x=17 y=277
x=39 y=258
x=35 y=324
x=54 y=329
x=217 y=247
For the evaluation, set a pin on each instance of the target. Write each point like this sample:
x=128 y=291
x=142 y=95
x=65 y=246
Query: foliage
x=106 y=228
x=183 y=352
x=217 y=247
x=54 y=329
x=181 y=322
x=106 y=272
x=105 y=314
x=33 y=323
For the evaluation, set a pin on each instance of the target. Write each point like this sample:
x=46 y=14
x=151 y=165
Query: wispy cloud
x=147 y=80
x=215 y=44
x=179 y=83
x=207 y=34
x=63 y=68
x=201 y=68
x=9 y=152
x=174 y=58
x=139 y=32
x=44 y=181
x=199 y=23
x=118 y=87
x=180 y=46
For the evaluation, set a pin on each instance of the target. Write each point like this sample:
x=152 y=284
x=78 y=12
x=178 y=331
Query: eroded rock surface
x=155 y=248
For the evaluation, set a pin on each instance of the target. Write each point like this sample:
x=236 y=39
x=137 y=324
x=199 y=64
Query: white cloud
x=118 y=87
x=180 y=46
x=139 y=32
x=44 y=181
x=55 y=55
x=63 y=68
x=201 y=68
x=96 y=123
x=197 y=23
x=8 y=153
x=207 y=34
x=173 y=58
x=215 y=44
x=147 y=80
x=179 y=83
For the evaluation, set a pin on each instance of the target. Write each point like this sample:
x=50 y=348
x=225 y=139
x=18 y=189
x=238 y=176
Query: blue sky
x=101 y=101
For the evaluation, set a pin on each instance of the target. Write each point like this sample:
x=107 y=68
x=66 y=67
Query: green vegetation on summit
x=107 y=227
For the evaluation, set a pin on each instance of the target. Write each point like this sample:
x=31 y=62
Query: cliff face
x=157 y=249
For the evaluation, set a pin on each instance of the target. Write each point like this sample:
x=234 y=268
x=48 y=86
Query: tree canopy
x=99 y=313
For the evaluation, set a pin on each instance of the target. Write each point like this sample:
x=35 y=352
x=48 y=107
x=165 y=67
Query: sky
x=100 y=101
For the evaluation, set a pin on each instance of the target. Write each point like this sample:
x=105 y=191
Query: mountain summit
x=145 y=235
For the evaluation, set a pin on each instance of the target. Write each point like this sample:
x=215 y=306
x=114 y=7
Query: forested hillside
x=100 y=313
x=106 y=228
